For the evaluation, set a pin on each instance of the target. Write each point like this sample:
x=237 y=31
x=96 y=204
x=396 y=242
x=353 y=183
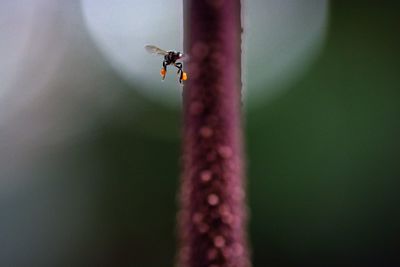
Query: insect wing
x=152 y=49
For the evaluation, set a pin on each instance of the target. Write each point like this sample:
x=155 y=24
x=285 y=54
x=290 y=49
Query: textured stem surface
x=213 y=215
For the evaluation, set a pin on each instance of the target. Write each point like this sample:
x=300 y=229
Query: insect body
x=170 y=58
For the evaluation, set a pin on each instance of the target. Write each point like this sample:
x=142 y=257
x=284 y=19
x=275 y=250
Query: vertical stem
x=213 y=215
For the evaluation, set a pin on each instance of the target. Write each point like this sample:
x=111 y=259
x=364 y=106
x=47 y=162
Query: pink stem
x=213 y=213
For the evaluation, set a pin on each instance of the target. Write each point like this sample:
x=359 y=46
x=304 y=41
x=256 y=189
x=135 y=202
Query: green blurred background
x=89 y=167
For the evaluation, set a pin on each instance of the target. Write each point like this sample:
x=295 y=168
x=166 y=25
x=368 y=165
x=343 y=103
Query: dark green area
x=323 y=159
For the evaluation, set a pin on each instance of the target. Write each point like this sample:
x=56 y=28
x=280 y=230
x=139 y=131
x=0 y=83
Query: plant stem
x=213 y=214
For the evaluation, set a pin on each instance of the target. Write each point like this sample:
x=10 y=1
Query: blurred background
x=90 y=137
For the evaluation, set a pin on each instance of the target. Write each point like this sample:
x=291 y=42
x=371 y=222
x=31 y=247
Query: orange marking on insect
x=163 y=72
x=184 y=76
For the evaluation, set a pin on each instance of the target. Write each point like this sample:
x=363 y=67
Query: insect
x=170 y=58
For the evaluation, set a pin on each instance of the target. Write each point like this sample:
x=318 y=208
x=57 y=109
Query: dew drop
x=227 y=252
x=206 y=132
x=197 y=217
x=219 y=241
x=237 y=249
x=224 y=209
x=213 y=199
x=225 y=151
x=203 y=228
x=227 y=218
x=205 y=176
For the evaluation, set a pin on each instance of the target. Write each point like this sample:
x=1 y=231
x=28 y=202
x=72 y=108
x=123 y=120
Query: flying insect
x=170 y=58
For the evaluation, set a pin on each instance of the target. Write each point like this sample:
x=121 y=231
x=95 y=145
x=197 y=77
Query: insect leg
x=164 y=69
x=179 y=66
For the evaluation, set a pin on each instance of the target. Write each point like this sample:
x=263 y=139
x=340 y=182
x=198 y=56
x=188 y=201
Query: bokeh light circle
x=281 y=39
